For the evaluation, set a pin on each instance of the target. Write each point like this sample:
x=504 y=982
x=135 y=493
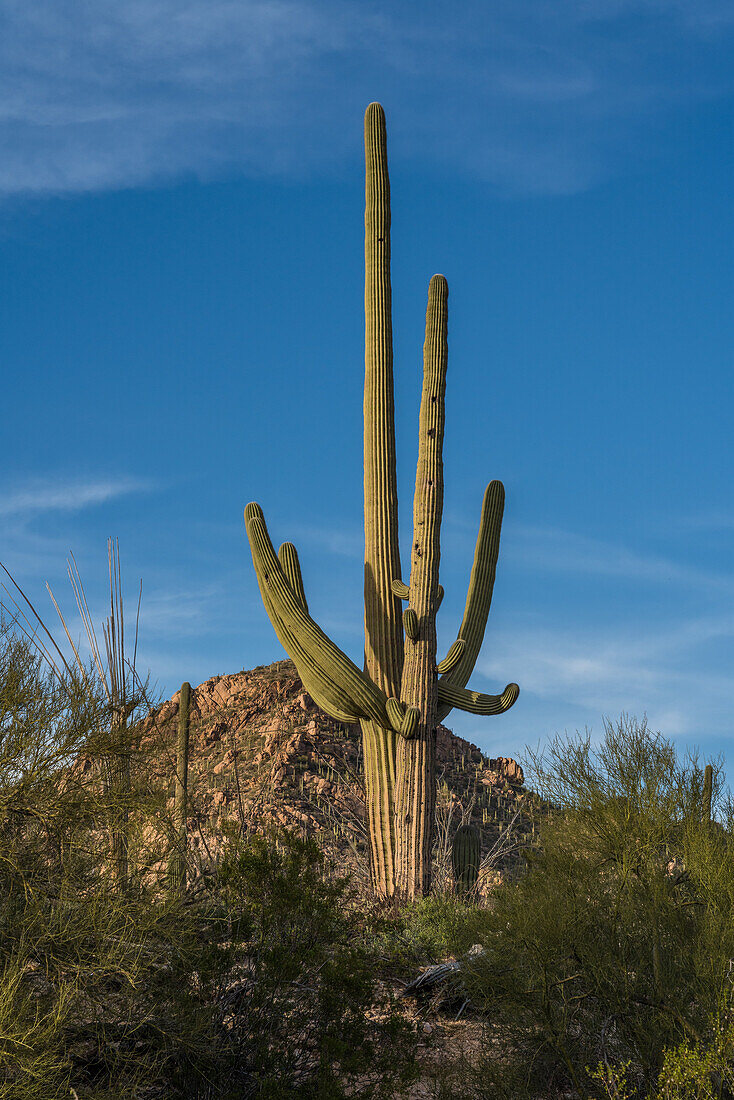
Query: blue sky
x=181 y=260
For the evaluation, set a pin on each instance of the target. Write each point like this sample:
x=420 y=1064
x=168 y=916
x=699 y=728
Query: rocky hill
x=261 y=752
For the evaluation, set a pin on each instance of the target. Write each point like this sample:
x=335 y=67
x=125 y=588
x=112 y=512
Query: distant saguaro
x=177 y=862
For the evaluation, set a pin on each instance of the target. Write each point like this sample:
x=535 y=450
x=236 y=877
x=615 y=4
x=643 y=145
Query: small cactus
x=177 y=862
x=708 y=790
x=465 y=856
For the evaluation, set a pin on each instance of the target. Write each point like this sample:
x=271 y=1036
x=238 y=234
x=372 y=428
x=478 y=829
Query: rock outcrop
x=262 y=753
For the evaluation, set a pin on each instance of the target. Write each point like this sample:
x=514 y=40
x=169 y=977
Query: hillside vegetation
x=595 y=960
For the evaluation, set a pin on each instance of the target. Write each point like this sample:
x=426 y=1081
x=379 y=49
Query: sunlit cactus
x=403 y=691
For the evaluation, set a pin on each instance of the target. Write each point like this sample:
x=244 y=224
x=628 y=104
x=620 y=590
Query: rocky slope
x=261 y=752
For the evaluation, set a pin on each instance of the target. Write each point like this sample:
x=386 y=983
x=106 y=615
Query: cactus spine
x=177 y=862
x=403 y=691
x=465 y=855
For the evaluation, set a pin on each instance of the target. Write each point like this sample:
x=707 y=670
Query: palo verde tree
x=403 y=691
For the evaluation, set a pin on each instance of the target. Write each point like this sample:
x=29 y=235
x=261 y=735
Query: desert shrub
x=302 y=1006
x=257 y=983
x=694 y=1070
x=615 y=944
x=68 y=937
x=426 y=931
x=701 y=1070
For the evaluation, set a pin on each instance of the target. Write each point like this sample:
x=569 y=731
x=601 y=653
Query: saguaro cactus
x=177 y=862
x=708 y=791
x=465 y=855
x=403 y=692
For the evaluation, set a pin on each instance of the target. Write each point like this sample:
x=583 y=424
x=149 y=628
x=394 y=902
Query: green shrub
x=303 y=1010
x=614 y=945
x=256 y=984
x=428 y=930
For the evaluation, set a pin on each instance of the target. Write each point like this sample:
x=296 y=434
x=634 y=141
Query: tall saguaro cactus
x=403 y=692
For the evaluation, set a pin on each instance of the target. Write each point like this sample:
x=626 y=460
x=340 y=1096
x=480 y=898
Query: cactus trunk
x=415 y=797
x=177 y=862
x=383 y=654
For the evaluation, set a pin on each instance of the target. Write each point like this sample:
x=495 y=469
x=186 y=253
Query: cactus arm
x=395 y=712
x=409 y=725
x=410 y=622
x=326 y=694
x=288 y=558
x=400 y=590
x=383 y=628
x=452 y=658
x=403 y=719
x=475 y=702
x=481 y=585
x=323 y=662
x=439 y=596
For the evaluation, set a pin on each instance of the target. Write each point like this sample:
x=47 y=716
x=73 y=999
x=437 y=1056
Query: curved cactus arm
x=410 y=623
x=400 y=590
x=327 y=695
x=479 y=594
x=395 y=712
x=410 y=722
x=288 y=558
x=324 y=660
x=403 y=719
x=474 y=701
x=324 y=692
x=452 y=658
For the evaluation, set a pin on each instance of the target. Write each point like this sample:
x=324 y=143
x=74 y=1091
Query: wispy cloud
x=661 y=672
x=547 y=548
x=50 y=495
x=43 y=516
x=524 y=93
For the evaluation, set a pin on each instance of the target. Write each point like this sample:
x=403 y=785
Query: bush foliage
x=256 y=984
x=614 y=947
x=606 y=967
